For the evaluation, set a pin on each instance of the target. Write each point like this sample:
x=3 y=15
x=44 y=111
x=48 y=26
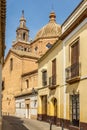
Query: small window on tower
x=27 y=83
x=36 y=48
x=23 y=36
x=25 y=49
x=48 y=45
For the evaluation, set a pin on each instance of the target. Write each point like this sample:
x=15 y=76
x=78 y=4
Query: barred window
x=75 y=109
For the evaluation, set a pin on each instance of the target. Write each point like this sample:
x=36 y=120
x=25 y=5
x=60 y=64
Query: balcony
x=44 y=83
x=52 y=82
x=73 y=73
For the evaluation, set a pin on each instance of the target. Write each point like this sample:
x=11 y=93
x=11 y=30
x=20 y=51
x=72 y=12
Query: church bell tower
x=22 y=32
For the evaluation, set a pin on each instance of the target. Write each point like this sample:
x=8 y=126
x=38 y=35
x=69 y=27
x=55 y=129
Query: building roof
x=27 y=93
x=49 y=51
x=52 y=29
x=24 y=53
x=75 y=18
x=29 y=73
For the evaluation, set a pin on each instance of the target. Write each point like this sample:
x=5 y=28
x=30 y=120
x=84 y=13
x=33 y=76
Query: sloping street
x=14 y=123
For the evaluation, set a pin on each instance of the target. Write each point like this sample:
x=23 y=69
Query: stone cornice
x=30 y=73
x=74 y=15
x=74 y=25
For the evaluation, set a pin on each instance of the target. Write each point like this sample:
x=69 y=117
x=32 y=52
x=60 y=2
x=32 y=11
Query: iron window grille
x=75 y=109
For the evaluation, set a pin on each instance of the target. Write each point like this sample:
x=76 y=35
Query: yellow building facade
x=49 y=80
x=62 y=93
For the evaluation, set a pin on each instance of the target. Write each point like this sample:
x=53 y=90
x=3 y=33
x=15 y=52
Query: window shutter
x=75 y=53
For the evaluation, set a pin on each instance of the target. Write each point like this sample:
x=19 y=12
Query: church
x=46 y=78
x=20 y=69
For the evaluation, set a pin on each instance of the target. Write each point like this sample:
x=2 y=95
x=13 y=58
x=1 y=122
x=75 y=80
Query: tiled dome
x=52 y=29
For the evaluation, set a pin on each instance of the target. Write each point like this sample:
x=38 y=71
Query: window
x=19 y=104
x=75 y=52
x=75 y=59
x=25 y=49
x=48 y=45
x=44 y=78
x=75 y=109
x=27 y=83
x=24 y=36
x=11 y=64
x=36 y=48
x=3 y=85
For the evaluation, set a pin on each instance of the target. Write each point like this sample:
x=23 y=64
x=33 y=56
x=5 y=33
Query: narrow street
x=15 y=123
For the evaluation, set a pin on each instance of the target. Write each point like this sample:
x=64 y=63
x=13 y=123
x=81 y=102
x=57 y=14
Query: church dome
x=52 y=29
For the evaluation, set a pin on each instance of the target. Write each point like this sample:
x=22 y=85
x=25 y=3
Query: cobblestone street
x=14 y=123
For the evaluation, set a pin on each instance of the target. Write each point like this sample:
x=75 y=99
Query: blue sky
x=36 y=13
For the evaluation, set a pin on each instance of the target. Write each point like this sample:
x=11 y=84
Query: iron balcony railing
x=52 y=80
x=44 y=82
x=73 y=71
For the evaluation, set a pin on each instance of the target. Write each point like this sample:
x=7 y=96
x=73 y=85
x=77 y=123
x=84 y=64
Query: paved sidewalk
x=42 y=125
x=15 y=123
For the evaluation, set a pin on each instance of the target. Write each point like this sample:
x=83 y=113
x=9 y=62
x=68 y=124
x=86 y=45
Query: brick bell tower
x=22 y=32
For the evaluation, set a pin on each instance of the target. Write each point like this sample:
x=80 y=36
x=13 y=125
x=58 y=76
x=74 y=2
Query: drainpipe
x=64 y=62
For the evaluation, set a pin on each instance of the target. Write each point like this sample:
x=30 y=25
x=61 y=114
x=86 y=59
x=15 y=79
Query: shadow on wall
x=12 y=123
